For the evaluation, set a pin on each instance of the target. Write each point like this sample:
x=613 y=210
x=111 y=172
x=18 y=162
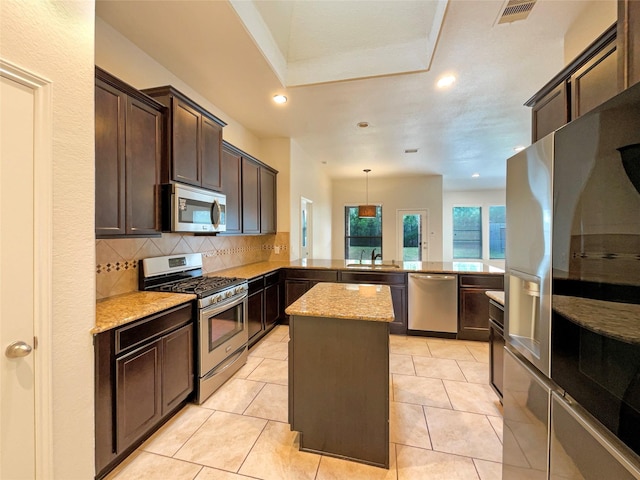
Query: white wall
x=471 y=198
x=393 y=193
x=119 y=56
x=309 y=180
x=55 y=40
x=590 y=24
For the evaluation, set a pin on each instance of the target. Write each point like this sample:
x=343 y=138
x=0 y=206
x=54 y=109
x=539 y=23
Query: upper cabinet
x=128 y=140
x=628 y=42
x=585 y=83
x=250 y=187
x=193 y=143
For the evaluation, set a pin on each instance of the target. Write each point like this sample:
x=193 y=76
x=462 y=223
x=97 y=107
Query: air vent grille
x=513 y=10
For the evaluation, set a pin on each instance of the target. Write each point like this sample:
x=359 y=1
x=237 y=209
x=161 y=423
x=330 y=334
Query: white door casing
x=306 y=228
x=25 y=273
x=423 y=219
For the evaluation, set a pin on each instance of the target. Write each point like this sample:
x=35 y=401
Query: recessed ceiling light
x=363 y=124
x=519 y=148
x=280 y=99
x=446 y=81
x=475 y=175
x=411 y=150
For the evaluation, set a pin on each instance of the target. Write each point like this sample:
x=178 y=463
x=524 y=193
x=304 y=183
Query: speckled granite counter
x=261 y=268
x=345 y=301
x=612 y=319
x=496 y=295
x=115 y=311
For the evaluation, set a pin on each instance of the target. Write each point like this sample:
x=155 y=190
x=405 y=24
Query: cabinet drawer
x=271 y=278
x=256 y=284
x=492 y=282
x=496 y=313
x=373 y=277
x=136 y=333
x=318 y=275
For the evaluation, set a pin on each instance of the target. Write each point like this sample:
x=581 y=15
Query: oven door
x=223 y=330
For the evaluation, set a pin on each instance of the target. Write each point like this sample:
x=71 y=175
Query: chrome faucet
x=361 y=252
x=374 y=256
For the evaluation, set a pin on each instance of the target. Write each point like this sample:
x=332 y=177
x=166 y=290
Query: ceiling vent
x=514 y=10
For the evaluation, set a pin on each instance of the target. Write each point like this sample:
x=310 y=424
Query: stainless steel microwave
x=192 y=209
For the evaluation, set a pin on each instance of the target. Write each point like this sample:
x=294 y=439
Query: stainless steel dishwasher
x=433 y=302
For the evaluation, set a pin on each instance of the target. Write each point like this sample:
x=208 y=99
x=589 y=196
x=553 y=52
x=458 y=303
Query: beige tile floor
x=445 y=422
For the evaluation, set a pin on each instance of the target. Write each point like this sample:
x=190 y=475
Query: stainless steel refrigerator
x=572 y=300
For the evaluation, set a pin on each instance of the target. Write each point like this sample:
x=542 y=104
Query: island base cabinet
x=339 y=387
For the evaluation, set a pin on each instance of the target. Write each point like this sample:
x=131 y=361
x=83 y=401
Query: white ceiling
x=468 y=128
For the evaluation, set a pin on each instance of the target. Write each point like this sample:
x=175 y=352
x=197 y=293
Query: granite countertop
x=115 y=311
x=496 y=295
x=345 y=301
x=619 y=321
x=261 y=268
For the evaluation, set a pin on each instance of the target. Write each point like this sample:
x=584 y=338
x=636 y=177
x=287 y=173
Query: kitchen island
x=339 y=371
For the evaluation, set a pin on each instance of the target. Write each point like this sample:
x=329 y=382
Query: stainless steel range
x=222 y=333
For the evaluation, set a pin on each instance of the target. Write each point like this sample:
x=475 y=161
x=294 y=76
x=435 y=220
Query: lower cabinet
x=496 y=347
x=299 y=281
x=473 y=308
x=397 y=283
x=264 y=304
x=144 y=373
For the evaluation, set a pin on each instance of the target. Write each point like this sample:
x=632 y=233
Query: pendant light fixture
x=367 y=211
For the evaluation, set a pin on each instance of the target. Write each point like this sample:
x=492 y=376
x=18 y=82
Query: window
x=497 y=231
x=362 y=235
x=467 y=232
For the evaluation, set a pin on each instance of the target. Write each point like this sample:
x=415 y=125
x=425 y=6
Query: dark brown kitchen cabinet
x=128 y=140
x=397 y=283
x=255 y=309
x=231 y=184
x=588 y=81
x=193 y=143
x=250 y=196
x=299 y=281
x=144 y=373
x=263 y=309
x=473 y=308
x=268 y=212
x=496 y=347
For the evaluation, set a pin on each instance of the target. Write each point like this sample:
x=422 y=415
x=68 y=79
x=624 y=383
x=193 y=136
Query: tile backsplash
x=118 y=259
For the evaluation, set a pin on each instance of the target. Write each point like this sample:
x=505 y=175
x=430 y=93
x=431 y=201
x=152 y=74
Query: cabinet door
x=110 y=106
x=250 y=196
x=496 y=358
x=186 y=144
x=231 y=180
x=177 y=367
x=271 y=304
x=473 y=314
x=138 y=394
x=254 y=315
x=628 y=38
x=550 y=113
x=267 y=201
x=294 y=289
x=399 y=299
x=595 y=82
x=143 y=144
x=211 y=151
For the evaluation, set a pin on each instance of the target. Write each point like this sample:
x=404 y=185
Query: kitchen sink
x=380 y=266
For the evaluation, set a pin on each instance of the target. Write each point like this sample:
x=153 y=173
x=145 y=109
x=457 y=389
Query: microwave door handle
x=215 y=222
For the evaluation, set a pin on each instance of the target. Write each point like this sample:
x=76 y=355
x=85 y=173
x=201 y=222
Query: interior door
x=306 y=228
x=17 y=280
x=413 y=244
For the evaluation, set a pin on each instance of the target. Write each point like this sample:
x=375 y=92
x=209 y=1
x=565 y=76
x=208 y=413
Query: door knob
x=18 y=349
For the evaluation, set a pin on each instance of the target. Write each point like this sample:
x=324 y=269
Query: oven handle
x=231 y=359
x=224 y=305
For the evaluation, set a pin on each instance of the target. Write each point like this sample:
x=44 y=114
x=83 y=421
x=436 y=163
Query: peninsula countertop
x=345 y=301
x=496 y=295
x=262 y=268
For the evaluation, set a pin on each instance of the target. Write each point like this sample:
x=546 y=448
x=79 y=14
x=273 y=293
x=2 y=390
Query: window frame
x=347 y=229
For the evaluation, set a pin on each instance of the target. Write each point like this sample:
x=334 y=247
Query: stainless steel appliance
x=222 y=332
x=190 y=209
x=433 y=304
x=572 y=300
